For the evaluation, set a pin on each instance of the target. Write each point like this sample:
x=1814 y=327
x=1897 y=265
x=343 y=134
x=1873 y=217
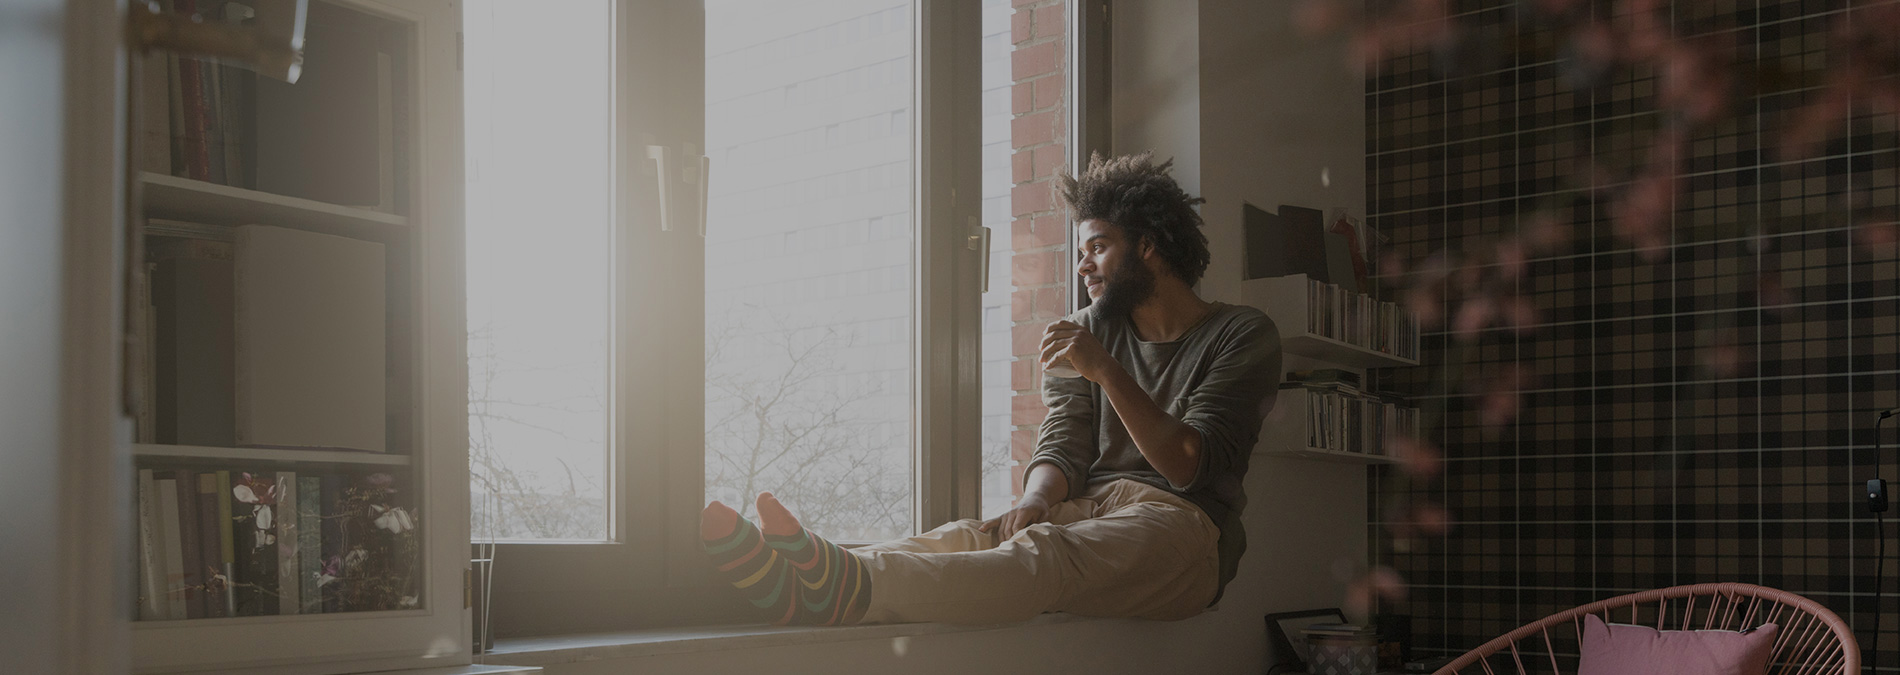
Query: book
x=255 y=539
x=154 y=112
x=175 y=129
x=234 y=102
x=385 y=135
x=226 y=550
x=311 y=368
x=1287 y=243
x=165 y=491
x=1336 y=629
x=195 y=366
x=331 y=546
x=289 y=596
x=210 y=545
x=148 y=369
x=309 y=543
x=152 y=605
x=190 y=548
x=193 y=145
x=1358 y=246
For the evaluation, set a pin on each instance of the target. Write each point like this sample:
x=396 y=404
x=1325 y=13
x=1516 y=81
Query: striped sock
x=741 y=558
x=833 y=586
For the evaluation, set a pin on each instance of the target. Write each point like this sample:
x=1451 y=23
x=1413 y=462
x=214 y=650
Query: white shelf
x=339 y=457
x=178 y=198
x=1336 y=351
x=1327 y=455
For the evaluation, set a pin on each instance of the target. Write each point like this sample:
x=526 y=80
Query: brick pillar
x=1039 y=267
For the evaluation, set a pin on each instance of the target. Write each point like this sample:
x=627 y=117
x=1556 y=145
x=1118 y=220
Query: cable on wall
x=1877 y=503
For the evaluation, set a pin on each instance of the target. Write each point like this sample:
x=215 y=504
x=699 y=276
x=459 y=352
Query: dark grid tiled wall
x=1633 y=464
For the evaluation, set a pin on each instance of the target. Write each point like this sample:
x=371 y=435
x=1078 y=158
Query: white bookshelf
x=1287 y=302
x=405 y=159
x=1324 y=455
x=1290 y=414
x=1342 y=353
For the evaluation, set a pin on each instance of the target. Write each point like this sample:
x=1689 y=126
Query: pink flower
x=1513 y=262
x=1419 y=458
x=1472 y=317
x=1379 y=583
x=1869 y=235
x=1499 y=404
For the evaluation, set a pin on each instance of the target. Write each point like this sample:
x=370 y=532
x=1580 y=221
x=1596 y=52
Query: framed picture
x=1286 y=646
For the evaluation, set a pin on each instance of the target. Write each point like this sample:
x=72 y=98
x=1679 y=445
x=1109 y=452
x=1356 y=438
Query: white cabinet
x=367 y=147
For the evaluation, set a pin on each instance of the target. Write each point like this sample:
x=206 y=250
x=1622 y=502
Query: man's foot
x=741 y=558
x=833 y=587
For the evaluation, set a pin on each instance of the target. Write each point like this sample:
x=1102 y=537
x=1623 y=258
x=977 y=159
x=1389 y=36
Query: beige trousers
x=1126 y=549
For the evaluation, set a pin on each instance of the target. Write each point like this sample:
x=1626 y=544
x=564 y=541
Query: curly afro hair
x=1138 y=196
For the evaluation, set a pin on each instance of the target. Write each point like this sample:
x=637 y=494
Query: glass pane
x=808 y=261
x=539 y=217
x=1000 y=486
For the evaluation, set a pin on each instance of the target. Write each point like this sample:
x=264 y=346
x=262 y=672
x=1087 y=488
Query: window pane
x=539 y=217
x=1000 y=486
x=809 y=246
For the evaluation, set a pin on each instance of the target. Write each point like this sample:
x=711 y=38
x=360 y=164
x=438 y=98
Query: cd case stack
x=1340 y=314
x=1341 y=417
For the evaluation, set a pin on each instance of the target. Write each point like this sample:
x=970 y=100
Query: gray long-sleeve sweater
x=1219 y=378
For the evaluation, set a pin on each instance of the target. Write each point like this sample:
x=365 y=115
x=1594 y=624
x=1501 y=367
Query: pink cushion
x=1621 y=649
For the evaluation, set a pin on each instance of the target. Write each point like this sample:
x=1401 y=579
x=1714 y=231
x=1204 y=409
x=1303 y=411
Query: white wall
x=1155 y=97
x=30 y=61
x=1249 y=111
x=1253 y=111
x=1277 y=109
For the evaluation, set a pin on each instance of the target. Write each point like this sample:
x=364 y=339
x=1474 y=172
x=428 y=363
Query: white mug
x=1061 y=368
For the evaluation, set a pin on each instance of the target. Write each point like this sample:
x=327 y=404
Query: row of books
x=239 y=543
x=1353 y=318
x=199 y=115
x=1340 y=417
x=334 y=136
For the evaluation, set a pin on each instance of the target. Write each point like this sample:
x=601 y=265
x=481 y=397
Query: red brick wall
x=1038 y=267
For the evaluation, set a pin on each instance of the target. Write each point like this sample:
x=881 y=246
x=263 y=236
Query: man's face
x=1112 y=268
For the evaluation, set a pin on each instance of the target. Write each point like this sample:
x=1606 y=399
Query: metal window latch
x=705 y=178
x=657 y=153
x=979 y=241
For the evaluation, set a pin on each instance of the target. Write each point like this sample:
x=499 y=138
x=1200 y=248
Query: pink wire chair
x=1811 y=641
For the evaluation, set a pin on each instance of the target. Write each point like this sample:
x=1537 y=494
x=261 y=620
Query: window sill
x=559 y=649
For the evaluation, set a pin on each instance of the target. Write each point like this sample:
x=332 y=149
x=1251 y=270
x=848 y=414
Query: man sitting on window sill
x=1132 y=501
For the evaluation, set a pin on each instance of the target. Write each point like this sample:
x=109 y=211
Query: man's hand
x=1067 y=339
x=1029 y=510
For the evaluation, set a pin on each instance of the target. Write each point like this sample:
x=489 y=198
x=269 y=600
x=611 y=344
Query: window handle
x=705 y=179
x=657 y=153
x=980 y=242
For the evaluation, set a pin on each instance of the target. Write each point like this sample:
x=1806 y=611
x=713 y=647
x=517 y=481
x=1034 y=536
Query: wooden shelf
x=262 y=455
x=197 y=201
x=1328 y=455
x=1336 y=351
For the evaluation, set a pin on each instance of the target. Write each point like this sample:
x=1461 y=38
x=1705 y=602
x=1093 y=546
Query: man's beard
x=1124 y=287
